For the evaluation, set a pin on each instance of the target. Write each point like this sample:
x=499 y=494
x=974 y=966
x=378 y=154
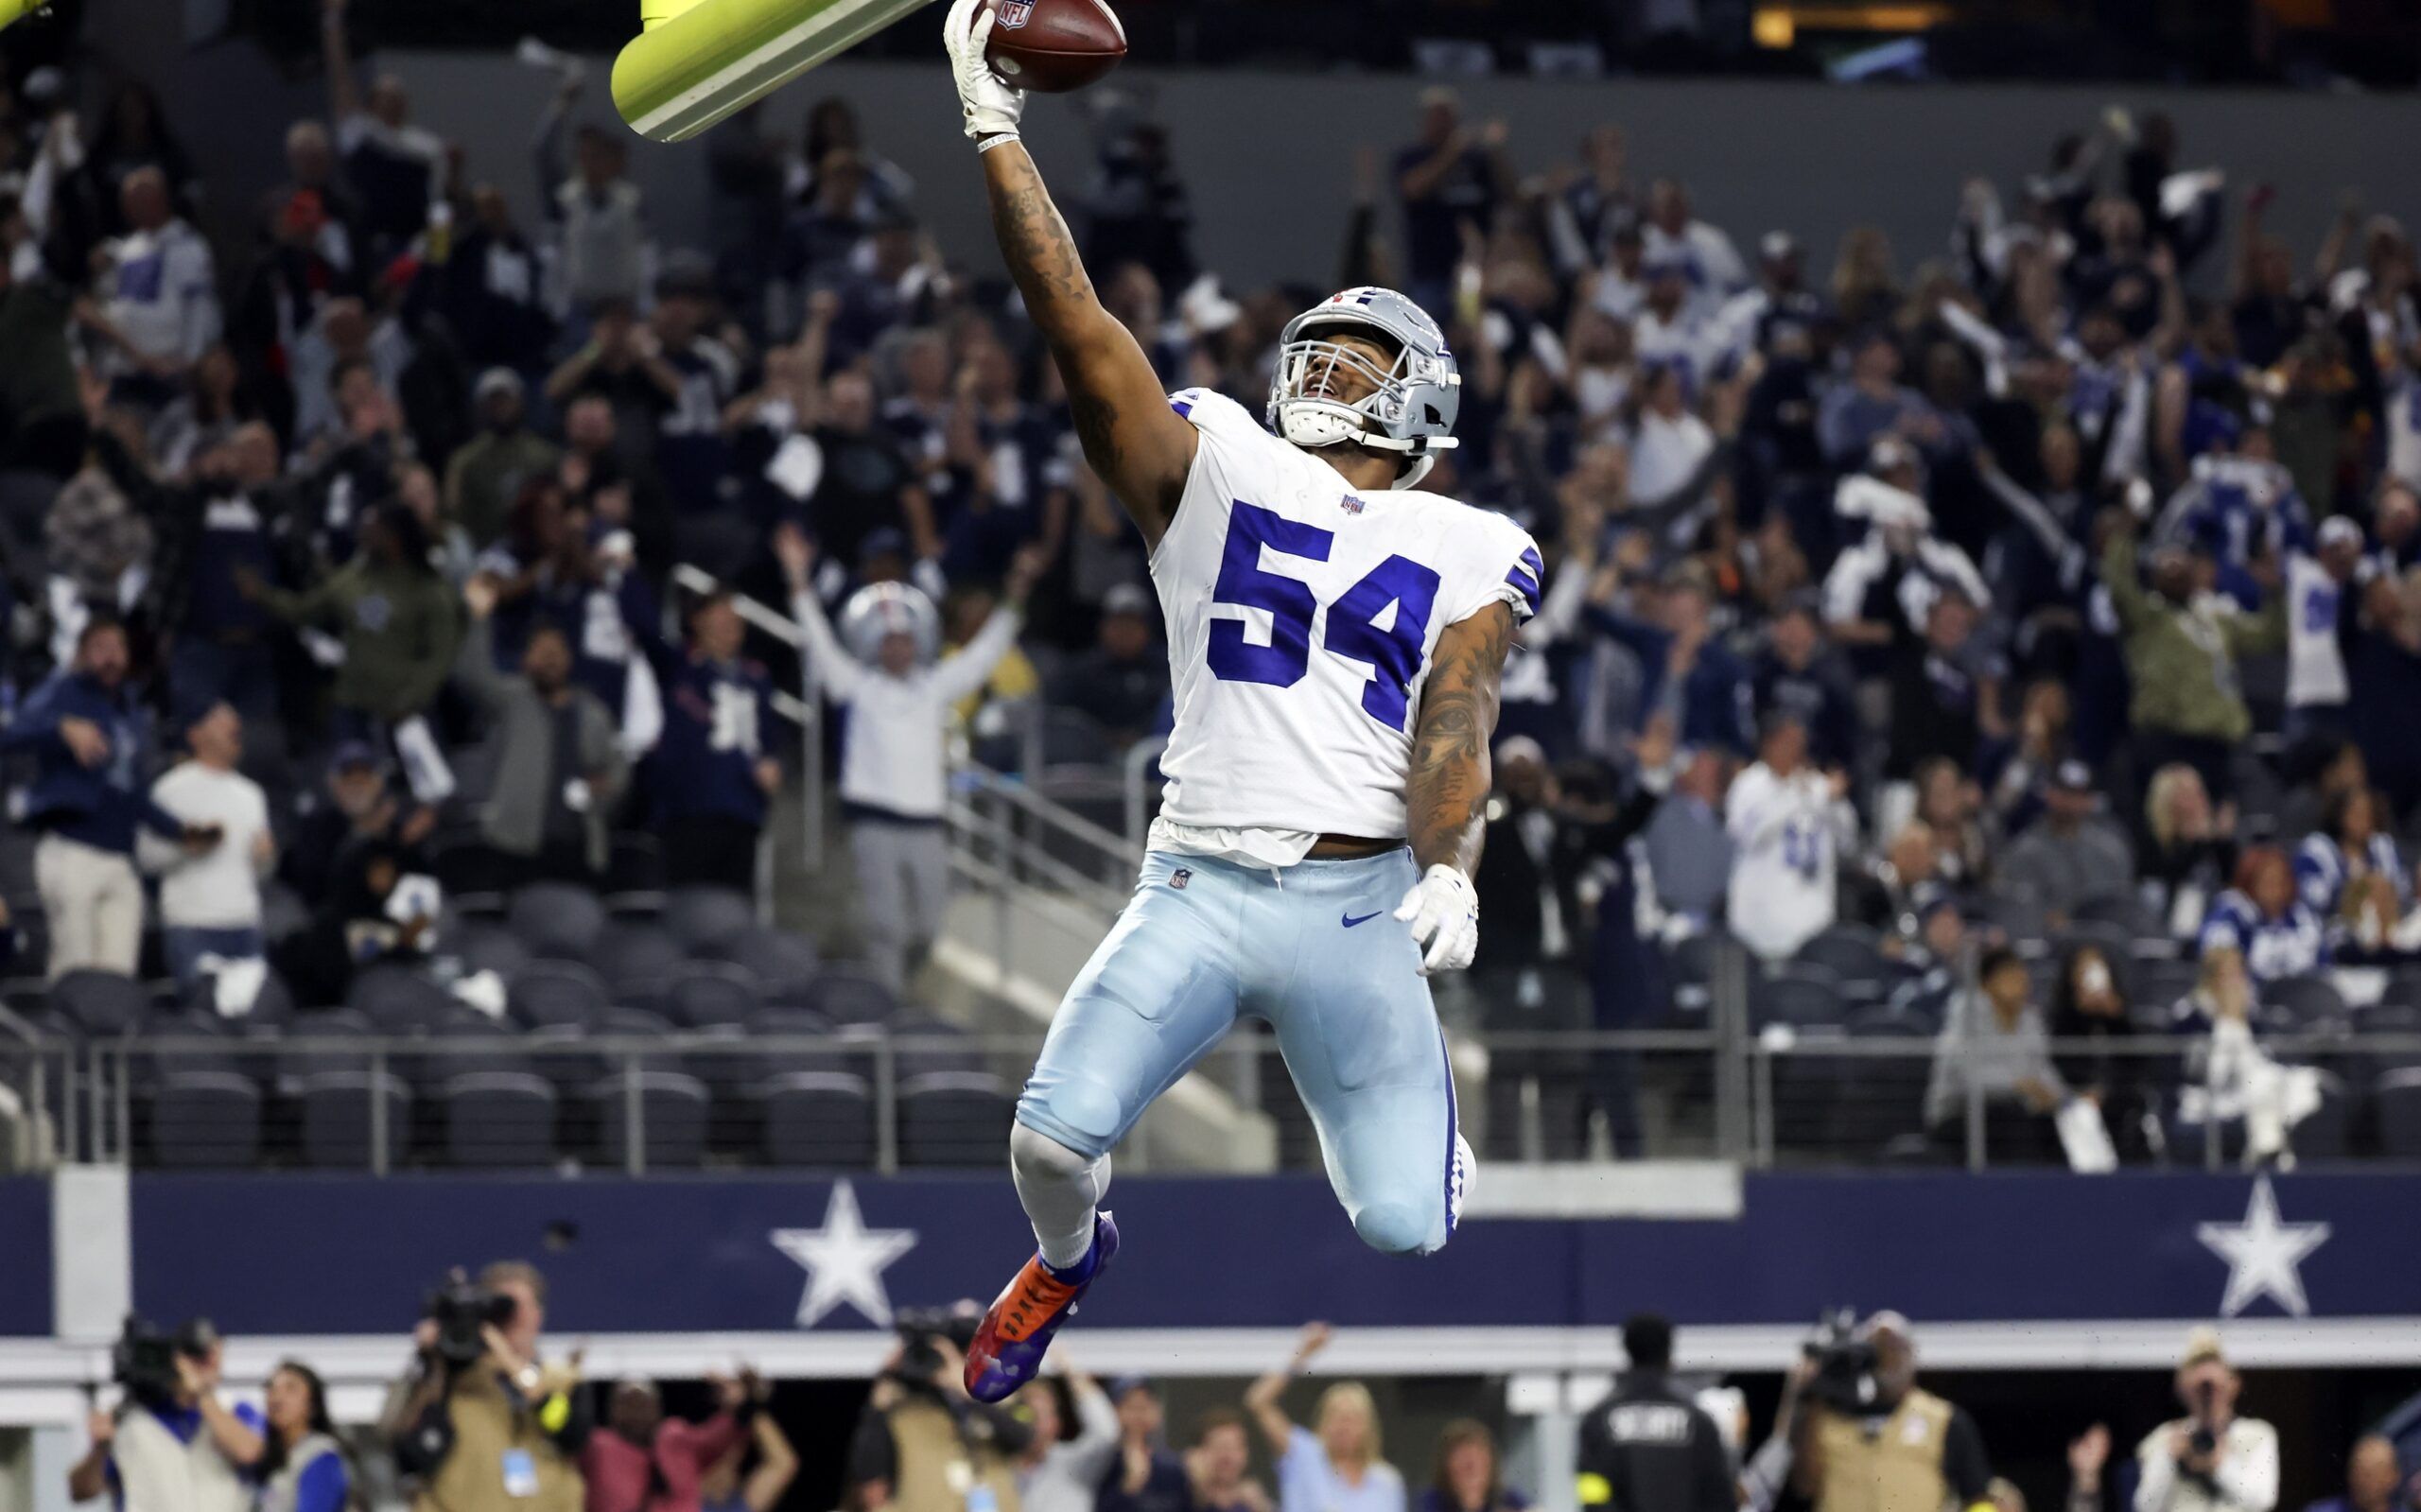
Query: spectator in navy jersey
x=713 y=774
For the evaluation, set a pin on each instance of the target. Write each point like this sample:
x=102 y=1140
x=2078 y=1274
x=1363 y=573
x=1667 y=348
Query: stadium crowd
x=2005 y=640
x=485 y=1420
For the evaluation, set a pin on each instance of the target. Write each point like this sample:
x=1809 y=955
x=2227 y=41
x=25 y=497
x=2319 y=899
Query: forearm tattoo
x=1446 y=793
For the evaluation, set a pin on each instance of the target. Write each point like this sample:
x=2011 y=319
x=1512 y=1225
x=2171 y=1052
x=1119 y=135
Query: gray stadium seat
x=557 y=919
x=1852 y=953
x=101 y=1003
x=491 y=947
x=784 y=964
x=397 y=999
x=710 y=995
x=206 y=1119
x=2304 y=1002
x=336 y=1110
x=1804 y=995
x=547 y=993
x=672 y=1109
x=707 y=919
x=821 y=1119
x=498 y=1118
x=850 y=996
x=954 y=1119
x=2397 y=1099
x=638 y=953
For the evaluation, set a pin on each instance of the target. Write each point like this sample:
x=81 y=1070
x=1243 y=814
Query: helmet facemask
x=1308 y=371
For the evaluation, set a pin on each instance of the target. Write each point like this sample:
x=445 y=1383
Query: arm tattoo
x=1446 y=791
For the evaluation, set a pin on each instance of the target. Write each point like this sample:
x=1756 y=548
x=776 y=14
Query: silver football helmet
x=884 y=609
x=1411 y=405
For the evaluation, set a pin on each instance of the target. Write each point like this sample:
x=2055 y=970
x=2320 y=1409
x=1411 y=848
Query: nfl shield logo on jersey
x=1180 y=877
x=1349 y=504
x=1014 y=13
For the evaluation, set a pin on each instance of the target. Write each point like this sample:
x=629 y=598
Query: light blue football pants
x=1317 y=951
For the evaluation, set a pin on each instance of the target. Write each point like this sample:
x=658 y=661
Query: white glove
x=990 y=106
x=1444 y=915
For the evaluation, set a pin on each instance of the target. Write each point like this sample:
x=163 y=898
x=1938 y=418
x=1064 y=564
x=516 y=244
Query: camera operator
x=646 y=1462
x=171 y=1446
x=1649 y=1446
x=2210 y=1458
x=1871 y=1440
x=483 y=1426
x=924 y=1445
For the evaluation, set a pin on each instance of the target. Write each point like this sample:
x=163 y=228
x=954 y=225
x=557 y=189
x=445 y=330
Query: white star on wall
x=845 y=1261
x=2263 y=1254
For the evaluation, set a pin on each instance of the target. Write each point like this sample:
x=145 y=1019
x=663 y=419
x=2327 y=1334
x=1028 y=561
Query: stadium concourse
x=1971 y=723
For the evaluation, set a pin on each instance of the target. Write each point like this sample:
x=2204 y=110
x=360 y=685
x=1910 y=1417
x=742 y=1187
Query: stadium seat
x=206 y=1119
x=784 y=964
x=1800 y=995
x=707 y=919
x=1854 y=954
x=547 y=993
x=100 y=1004
x=397 y=999
x=818 y=1118
x=633 y=952
x=797 y=1023
x=954 y=1119
x=557 y=919
x=498 y=1118
x=2327 y=1134
x=850 y=996
x=2156 y=987
x=672 y=1111
x=2123 y=911
x=636 y=865
x=2304 y=1002
x=1069 y=737
x=491 y=947
x=939 y=1045
x=710 y=995
x=2395 y=1100
x=1881 y=1097
x=339 y=1121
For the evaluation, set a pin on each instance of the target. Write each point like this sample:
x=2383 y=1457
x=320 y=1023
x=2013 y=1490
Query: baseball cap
x=2072 y=776
x=884 y=541
x=2339 y=530
x=353 y=755
x=494 y=381
x=1124 y=1385
x=1126 y=599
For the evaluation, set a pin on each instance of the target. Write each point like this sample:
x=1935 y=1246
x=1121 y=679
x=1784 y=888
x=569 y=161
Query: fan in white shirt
x=210 y=903
x=1788 y=824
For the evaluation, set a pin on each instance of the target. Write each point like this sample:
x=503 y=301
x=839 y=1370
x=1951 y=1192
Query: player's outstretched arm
x=1446 y=793
x=1139 y=446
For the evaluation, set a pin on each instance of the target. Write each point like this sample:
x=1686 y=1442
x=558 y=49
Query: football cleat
x=1009 y=1344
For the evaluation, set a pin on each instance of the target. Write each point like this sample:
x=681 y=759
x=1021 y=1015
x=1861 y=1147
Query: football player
x=1335 y=638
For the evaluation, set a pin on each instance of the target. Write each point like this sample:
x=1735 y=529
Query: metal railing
x=864 y=1100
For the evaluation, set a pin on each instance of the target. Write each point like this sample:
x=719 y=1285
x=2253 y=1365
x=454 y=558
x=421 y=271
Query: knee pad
x=1395 y=1227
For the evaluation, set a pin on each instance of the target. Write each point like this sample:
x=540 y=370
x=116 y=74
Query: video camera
x=1845 y=1362
x=921 y=1328
x=462 y=1310
x=145 y=1357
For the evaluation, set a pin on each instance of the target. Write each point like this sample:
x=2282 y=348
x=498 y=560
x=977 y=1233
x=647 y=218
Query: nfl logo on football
x=1013 y=13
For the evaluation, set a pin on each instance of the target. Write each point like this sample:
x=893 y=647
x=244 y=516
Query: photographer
x=645 y=1462
x=171 y=1446
x=2210 y=1458
x=1871 y=1440
x=924 y=1445
x=482 y=1426
x=1649 y=1446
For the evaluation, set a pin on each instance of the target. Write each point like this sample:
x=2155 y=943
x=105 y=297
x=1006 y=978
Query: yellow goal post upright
x=696 y=62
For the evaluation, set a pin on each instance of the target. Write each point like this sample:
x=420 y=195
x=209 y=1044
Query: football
x=1051 y=46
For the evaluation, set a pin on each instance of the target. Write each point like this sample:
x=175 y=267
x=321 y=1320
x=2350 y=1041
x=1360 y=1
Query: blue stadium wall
x=2317 y=1268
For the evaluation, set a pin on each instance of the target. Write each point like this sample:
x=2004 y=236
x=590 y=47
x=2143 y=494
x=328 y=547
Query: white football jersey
x=1301 y=615
x=1786 y=836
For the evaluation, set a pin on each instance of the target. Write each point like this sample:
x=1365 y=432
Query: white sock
x=1061 y=1190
